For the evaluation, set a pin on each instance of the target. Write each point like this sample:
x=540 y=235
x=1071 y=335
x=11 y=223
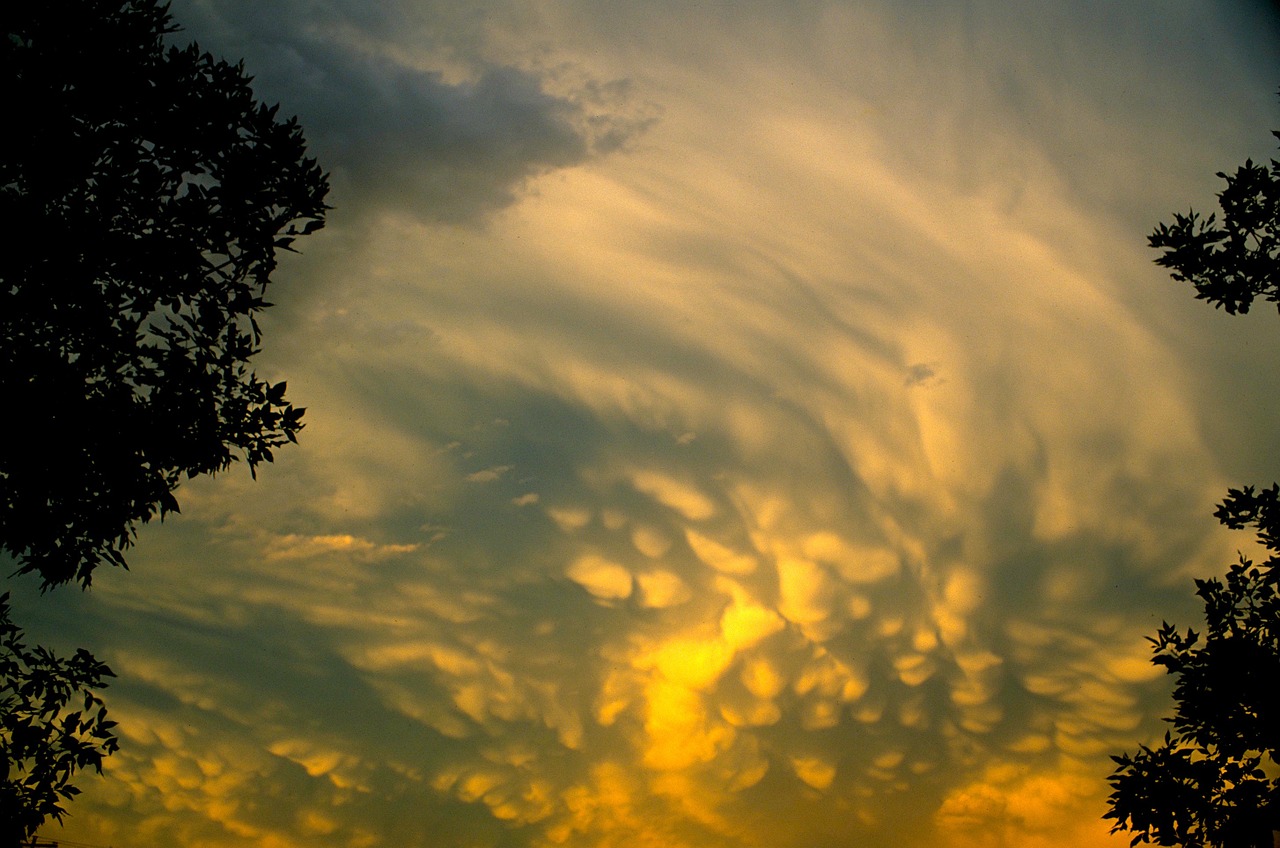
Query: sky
x=729 y=425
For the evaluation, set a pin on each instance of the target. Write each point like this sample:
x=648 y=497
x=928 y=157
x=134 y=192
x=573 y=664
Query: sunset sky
x=742 y=424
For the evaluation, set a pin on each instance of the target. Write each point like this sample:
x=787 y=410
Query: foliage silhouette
x=145 y=193
x=1212 y=782
x=51 y=726
x=1238 y=260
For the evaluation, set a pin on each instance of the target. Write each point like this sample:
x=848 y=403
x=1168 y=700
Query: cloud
x=450 y=143
x=293 y=546
x=603 y=579
x=642 y=514
x=488 y=475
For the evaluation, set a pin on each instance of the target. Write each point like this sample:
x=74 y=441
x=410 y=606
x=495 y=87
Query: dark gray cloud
x=392 y=130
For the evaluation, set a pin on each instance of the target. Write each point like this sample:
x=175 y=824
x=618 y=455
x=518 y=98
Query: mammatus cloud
x=747 y=488
x=848 y=606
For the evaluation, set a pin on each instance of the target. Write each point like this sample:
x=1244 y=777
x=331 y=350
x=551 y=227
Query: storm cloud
x=744 y=426
x=401 y=119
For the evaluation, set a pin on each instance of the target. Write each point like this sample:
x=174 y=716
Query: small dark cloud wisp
x=920 y=374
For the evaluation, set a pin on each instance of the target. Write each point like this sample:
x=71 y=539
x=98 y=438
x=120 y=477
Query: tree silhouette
x=145 y=193
x=1238 y=260
x=51 y=725
x=1212 y=782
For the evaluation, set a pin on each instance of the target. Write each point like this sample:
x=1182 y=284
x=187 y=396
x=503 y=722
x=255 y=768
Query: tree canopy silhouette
x=1233 y=262
x=145 y=194
x=1213 y=782
x=51 y=725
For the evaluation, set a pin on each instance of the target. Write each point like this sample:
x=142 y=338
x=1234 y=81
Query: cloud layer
x=805 y=471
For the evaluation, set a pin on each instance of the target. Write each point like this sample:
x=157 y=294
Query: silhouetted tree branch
x=1232 y=262
x=51 y=726
x=145 y=194
x=1212 y=782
